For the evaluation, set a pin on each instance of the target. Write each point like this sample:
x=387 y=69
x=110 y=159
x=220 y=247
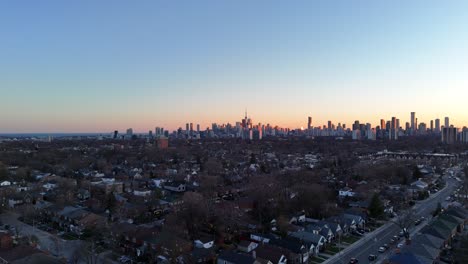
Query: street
x=371 y=242
x=46 y=241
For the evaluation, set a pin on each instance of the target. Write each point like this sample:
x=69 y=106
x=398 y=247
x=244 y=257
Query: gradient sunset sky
x=98 y=66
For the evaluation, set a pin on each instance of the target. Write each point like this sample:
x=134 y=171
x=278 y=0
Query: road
x=371 y=242
x=47 y=242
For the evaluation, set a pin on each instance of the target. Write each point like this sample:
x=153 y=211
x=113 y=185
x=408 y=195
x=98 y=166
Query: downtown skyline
x=91 y=67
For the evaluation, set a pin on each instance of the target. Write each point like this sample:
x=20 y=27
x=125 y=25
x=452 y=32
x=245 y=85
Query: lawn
x=333 y=250
x=350 y=239
x=317 y=260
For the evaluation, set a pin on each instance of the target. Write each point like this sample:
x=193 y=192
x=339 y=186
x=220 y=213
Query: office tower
x=413 y=121
x=387 y=125
x=449 y=135
x=407 y=127
x=393 y=135
x=116 y=134
x=309 y=123
x=422 y=128
x=398 y=124
x=187 y=127
x=329 y=125
x=150 y=134
x=191 y=127
x=432 y=126
x=382 y=123
x=416 y=124
x=198 y=128
x=437 y=125
x=464 y=135
x=129 y=132
x=447 y=122
x=356 y=125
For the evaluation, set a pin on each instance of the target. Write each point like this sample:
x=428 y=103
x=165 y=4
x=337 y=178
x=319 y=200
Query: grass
x=333 y=250
x=317 y=260
x=350 y=239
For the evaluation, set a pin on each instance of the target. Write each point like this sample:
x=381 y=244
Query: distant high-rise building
x=198 y=128
x=329 y=125
x=407 y=127
x=150 y=134
x=191 y=127
x=447 y=122
x=464 y=135
x=437 y=125
x=432 y=126
x=187 y=127
x=309 y=123
x=130 y=132
x=449 y=135
x=116 y=134
x=382 y=123
x=413 y=121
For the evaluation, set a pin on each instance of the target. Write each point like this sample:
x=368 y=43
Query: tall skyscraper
x=309 y=123
x=191 y=127
x=187 y=127
x=413 y=121
x=449 y=135
x=198 y=128
x=382 y=123
x=447 y=122
x=437 y=125
x=432 y=126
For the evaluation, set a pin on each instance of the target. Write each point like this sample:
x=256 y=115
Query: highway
x=371 y=242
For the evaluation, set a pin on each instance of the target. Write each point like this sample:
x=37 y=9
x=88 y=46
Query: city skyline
x=95 y=67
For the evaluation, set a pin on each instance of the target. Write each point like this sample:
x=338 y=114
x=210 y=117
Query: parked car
x=417 y=222
x=382 y=249
x=372 y=257
x=353 y=261
x=400 y=245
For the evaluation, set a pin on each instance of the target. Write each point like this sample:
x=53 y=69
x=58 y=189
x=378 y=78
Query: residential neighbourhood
x=222 y=201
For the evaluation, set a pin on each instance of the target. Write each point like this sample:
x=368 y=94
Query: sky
x=100 y=66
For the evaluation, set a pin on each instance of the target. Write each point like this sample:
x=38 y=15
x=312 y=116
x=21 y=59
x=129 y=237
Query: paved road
x=371 y=242
x=47 y=242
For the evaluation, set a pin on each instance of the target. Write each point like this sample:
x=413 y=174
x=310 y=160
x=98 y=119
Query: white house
x=5 y=183
x=50 y=185
x=204 y=242
x=142 y=192
x=346 y=192
x=420 y=184
x=247 y=246
x=175 y=186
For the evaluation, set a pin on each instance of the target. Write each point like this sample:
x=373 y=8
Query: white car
x=382 y=249
x=400 y=245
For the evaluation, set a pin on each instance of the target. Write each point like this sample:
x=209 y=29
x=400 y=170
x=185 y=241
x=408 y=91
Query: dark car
x=353 y=261
x=372 y=257
x=417 y=222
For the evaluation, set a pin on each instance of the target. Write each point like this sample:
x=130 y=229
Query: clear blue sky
x=96 y=66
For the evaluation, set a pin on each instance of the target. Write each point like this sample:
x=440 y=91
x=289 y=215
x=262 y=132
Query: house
x=247 y=246
x=263 y=238
x=419 y=184
x=298 y=218
x=317 y=242
x=271 y=254
x=50 y=185
x=298 y=251
x=346 y=192
x=358 y=219
x=175 y=186
x=5 y=183
x=231 y=257
x=83 y=194
x=204 y=242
